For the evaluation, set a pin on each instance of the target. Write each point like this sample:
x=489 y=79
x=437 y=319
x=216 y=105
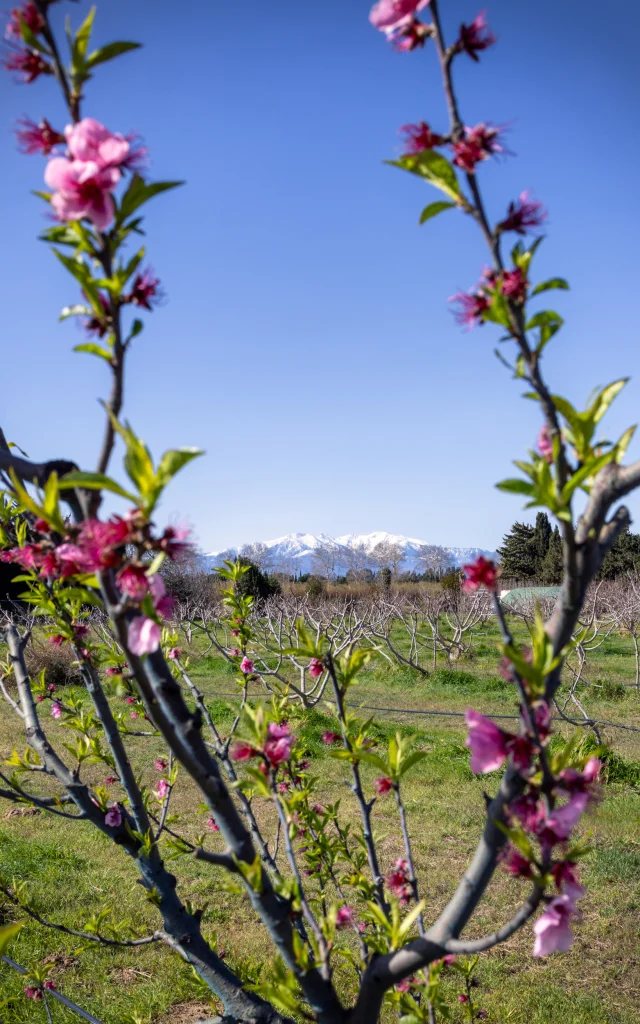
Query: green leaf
x=516 y=486
x=83 y=34
x=136 y=328
x=108 y=52
x=433 y=209
x=173 y=461
x=30 y=38
x=553 y=282
x=8 y=933
x=82 y=274
x=138 y=193
x=94 y=350
x=605 y=398
x=94 y=482
x=435 y=168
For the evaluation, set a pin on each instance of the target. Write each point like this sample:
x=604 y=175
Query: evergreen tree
x=540 y=541
x=256 y=583
x=517 y=558
x=551 y=569
x=623 y=557
x=384 y=580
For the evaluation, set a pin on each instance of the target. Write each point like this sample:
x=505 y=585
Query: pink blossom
x=515 y=863
x=143 y=636
x=514 y=284
x=390 y=15
x=278 y=750
x=477 y=144
x=56 y=710
x=82 y=189
x=319 y=809
x=160 y=764
x=234 y=652
x=174 y=541
x=481 y=573
x=316 y=668
x=31 y=992
x=134 y=714
x=462 y=998
x=246 y=666
x=592 y=770
x=27 y=13
x=174 y=653
x=523 y=214
x=545 y=444
x=329 y=737
x=29 y=557
x=405 y=984
x=409 y=36
x=345 y=917
x=28 y=64
x=486 y=741
x=37 y=138
x=212 y=825
x=474 y=37
x=278 y=731
x=471 y=308
x=552 y=929
x=145 y=290
x=235 y=632
x=130 y=700
x=562 y=820
x=133 y=581
x=382 y=785
x=529 y=810
x=39 y=698
x=419 y=137
x=90 y=141
x=162 y=602
x=57 y=640
x=242 y=752
x=113 y=817
x=542 y=718
x=163 y=789
x=565 y=875
x=398 y=882
x=51 y=688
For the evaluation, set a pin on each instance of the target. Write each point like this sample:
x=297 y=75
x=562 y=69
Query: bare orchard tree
x=622 y=600
x=387 y=555
x=327 y=559
x=434 y=559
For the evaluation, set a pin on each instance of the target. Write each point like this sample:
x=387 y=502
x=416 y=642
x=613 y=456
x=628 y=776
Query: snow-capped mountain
x=309 y=552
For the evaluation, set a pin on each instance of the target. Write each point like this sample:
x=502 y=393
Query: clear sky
x=306 y=342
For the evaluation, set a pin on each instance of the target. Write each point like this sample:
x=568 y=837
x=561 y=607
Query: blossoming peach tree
x=317 y=883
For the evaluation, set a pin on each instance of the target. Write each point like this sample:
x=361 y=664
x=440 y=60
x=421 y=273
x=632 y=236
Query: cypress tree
x=623 y=557
x=551 y=570
x=540 y=541
x=516 y=554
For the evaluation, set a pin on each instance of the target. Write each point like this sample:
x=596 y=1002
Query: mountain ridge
x=308 y=552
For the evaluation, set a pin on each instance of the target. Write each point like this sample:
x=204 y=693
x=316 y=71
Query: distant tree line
x=535 y=552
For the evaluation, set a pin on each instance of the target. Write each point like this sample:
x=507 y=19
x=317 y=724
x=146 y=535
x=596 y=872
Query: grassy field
x=72 y=871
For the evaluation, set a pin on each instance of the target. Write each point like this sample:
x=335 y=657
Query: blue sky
x=306 y=342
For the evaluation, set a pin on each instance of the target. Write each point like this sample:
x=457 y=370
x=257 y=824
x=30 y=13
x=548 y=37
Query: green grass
x=72 y=871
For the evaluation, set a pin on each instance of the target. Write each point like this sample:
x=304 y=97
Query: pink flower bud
x=56 y=710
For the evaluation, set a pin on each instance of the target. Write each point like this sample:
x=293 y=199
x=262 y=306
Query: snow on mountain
x=309 y=552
